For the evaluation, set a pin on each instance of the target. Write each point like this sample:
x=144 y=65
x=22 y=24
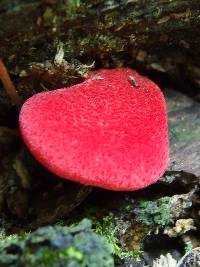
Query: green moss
x=130 y=254
x=188 y=246
x=107 y=229
x=157 y=212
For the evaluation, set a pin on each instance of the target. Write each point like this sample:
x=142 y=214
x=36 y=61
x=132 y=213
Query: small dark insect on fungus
x=100 y=132
x=133 y=82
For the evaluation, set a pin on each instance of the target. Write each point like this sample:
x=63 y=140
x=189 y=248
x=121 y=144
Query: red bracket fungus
x=109 y=131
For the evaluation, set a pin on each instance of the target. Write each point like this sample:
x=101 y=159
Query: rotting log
x=161 y=35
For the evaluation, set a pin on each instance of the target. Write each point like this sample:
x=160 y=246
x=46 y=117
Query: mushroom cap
x=109 y=131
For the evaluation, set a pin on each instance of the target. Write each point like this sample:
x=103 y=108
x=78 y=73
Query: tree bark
x=161 y=35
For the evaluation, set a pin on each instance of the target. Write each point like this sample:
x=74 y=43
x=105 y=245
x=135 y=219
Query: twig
x=9 y=86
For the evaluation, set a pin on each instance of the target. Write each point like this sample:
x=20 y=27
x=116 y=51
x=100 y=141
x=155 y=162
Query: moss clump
x=107 y=228
x=157 y=212
x=75 y=246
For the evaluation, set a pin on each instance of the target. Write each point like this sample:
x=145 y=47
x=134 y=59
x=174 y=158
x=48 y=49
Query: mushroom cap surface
x=109 y=131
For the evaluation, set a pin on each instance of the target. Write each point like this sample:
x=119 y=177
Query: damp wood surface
x=159 y=35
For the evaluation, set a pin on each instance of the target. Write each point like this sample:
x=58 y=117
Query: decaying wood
x=156 y=34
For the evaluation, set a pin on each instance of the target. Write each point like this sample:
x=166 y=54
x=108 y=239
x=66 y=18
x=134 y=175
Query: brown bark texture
x=160 y=35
